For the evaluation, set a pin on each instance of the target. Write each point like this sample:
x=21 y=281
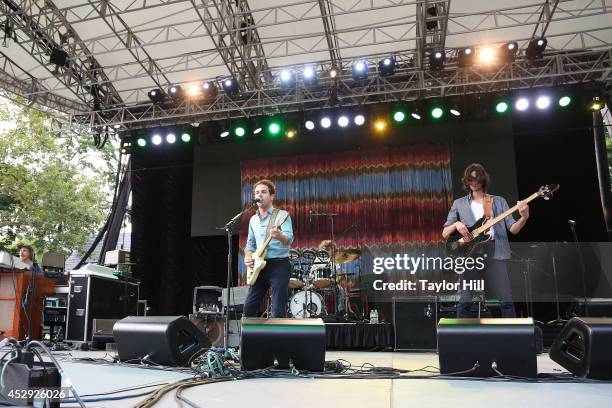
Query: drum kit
x=315 y=286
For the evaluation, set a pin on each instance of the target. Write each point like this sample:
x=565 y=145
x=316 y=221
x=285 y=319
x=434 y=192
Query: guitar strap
x=488 y=207
x=271 y=222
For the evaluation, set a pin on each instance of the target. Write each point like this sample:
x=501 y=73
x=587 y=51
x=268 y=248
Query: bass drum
x=306 y=303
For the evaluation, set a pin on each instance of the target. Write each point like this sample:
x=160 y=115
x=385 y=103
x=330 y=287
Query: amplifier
x=97 y=297
x=415 y=320
x=206 y=299
x=213 y=327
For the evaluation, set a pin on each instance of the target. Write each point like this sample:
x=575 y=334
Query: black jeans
x=274 y=275
x=496 y=283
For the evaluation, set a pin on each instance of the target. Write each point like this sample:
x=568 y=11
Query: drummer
x=324 y=263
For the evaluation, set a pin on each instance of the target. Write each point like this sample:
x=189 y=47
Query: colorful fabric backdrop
x=387 y=199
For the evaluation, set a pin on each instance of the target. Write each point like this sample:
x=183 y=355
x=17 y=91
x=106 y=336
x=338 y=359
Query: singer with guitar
x=463 y=213
x=268 y=242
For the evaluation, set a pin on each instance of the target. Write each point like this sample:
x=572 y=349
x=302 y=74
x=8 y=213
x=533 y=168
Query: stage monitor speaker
x=278 y=342
x=506 y=344
x=583 y=347
x=165 y=340
x=414 y=320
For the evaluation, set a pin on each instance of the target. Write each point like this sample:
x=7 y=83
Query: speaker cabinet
x=278 y=342
x=165 y=340
x=414 y=320
x=507 y=344
x=583 y=347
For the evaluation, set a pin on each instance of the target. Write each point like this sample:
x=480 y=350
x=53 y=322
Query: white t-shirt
x=478 y=211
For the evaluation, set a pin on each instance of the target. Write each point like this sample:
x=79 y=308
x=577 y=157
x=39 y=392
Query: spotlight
x=230 y=86
x=437 y=112
x=175 y=91
x=535 y=48
x=543 y=102
x=291 y=133
x=309 y=75
x=486 y=55
x=360 y=70
x=521 y=104
x=224 y=133
x=596 y=104
x=415 y=112
x=386 y=66
x=465 y=57
x=380 y=125
x=507 y=52
x=240 y=130
x=334 y=72
x=455 y=110
x=141 y=142
x=359 y=120
x=309 y=124
x=275 y=127
x=287 y=78
x=156 y=140
x=209 y=89
x=156 y=95
x=501 y=107
x=325 y=122
x=564 y=101
x=399 y=115
x=436 y=60
x=171 y=138
x=257 y=130
x=343 y=121
x=193 y=90
x=185 y=137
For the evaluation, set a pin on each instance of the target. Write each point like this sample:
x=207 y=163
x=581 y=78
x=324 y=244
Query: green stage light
x=437 y=112
x=274 y=128
x=185 y=137
x=564 y=101
x=501 y=107
x=239 y=131
x=399 y=116
x=141 y=142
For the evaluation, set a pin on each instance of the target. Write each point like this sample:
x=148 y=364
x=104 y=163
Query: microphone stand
x=228 y=228
x=333 y=246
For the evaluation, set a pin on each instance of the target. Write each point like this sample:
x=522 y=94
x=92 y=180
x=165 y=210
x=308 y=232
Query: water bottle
x=373 y=316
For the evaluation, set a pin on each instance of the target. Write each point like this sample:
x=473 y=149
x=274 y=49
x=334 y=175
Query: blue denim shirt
x=461 y=211
x=257 y=234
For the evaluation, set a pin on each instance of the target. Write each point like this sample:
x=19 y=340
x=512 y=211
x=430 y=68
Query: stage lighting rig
x=535 y=49
x=230 y=86
x=507 y=52
x=465 y=57
x=436 y=60
x=386 y=66
x=156 y=95
x=309 y=75
x=360 y=70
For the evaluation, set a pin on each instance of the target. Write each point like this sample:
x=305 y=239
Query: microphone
x=571 y=223
x=310 y=219
x=256 y=200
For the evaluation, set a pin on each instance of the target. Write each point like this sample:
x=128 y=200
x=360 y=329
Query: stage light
x=240 y=130
x=156 y=139
x=171 y=138
x=465 y=57
x=309 y=124
x=325 y=122
x=399 y=116
x=386 y=66
x=141 y=142
x=309 y=75
x=564 y=101
x=193 y=90
x=454 y=110
x=175 y=91
x=436 y=60
x=156 y=95
x=275 y=127
x=360 y=70
x=501 y=107
x=230 y=86
x=535 y=48
x=596 y=104
x=287 y=78
x=437 y=112
x=543 y=102
x=415 y=112
x=359 y=120
x=521 y=104
x=507 y=52
x=224 y=133
x=343 y=121
x=486 y=55
x=257 y=130
x=334 y=72
x=291 y=133
x=209 y=89
x=185 y=137
x=380 y=125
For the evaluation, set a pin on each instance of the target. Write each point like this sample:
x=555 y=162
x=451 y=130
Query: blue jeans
x=496 y=283
x=274 y=275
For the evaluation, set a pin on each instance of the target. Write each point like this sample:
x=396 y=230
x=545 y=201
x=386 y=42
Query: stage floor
x=90 y=378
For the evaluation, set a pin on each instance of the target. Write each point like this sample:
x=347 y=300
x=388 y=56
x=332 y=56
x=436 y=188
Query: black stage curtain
x=359 y=336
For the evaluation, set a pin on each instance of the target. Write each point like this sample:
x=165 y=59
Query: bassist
x=277 y=270
x=464 y=212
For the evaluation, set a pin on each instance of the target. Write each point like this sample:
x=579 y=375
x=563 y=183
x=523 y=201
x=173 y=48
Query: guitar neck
x=501 y=216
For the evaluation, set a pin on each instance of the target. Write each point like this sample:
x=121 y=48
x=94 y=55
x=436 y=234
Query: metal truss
x=50 y=31
x=329 y=24
x=431 y=27
x=408 y=84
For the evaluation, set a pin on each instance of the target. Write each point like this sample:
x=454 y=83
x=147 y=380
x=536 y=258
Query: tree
x=55 y=187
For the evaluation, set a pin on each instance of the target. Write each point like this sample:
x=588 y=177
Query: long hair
x=481 y=175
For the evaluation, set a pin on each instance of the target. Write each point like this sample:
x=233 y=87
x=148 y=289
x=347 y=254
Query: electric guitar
x=456 y=245
x=260 y=254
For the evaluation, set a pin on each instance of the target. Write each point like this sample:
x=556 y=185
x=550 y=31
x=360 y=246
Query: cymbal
x=346 y=274
x=347 y=255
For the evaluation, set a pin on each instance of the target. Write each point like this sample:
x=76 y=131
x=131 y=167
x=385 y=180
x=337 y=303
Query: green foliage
x=52 y=194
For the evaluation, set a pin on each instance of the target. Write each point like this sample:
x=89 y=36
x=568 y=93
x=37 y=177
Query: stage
x=96 y=378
